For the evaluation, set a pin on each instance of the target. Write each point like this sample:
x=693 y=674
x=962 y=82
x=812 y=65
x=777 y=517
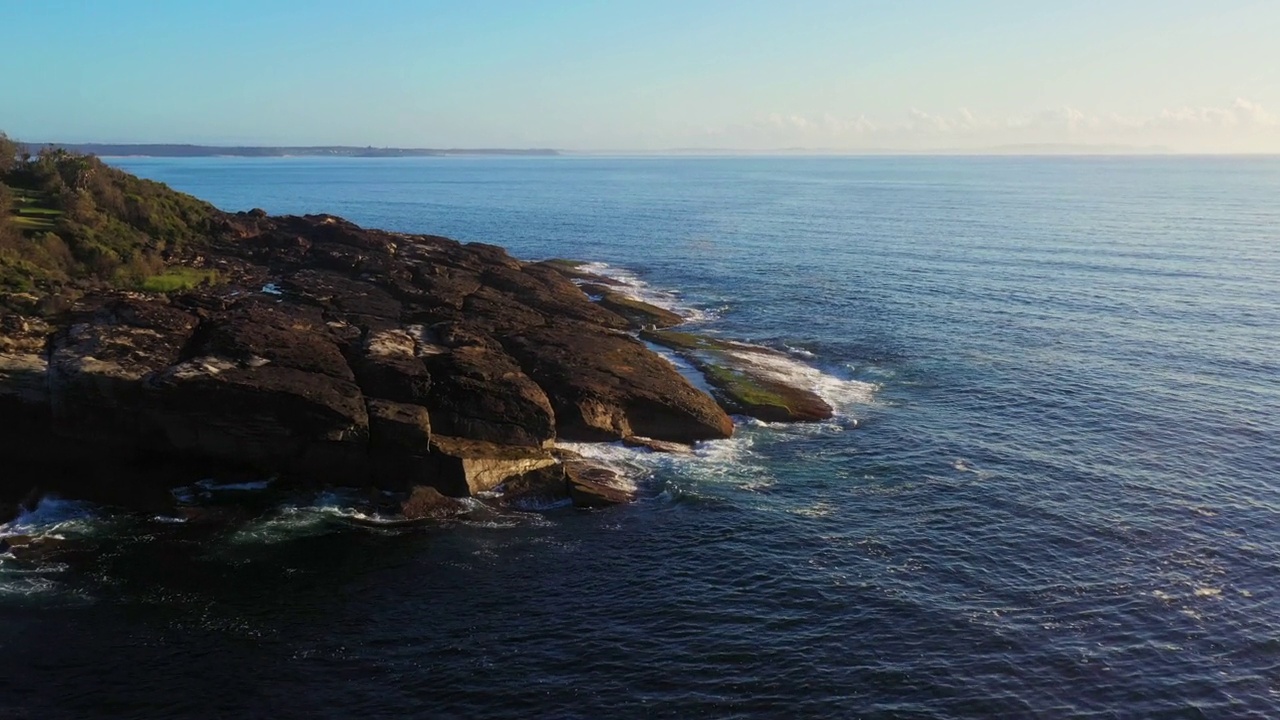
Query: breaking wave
x=53 y=517
x=630 y=285
x=841 y=393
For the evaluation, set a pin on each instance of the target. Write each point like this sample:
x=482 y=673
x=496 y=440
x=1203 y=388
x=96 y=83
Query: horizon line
x=312 y=150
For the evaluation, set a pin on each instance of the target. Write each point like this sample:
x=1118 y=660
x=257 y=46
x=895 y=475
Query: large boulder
x=24 y=380
x=541 y=489
x=405 y=454
x=541 y=287
x=461 y=467
x=24 y=366
x=425 y=502
x=355 y=299
x=592 y=486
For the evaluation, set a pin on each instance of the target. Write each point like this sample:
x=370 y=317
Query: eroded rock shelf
x=330 y=354
x=338 y=355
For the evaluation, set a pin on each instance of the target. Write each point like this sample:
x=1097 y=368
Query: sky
x=648 y=75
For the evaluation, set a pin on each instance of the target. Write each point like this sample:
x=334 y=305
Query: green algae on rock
x=741 y=378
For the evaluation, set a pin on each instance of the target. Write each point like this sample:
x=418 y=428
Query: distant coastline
x=182 y=150
x=179 y=150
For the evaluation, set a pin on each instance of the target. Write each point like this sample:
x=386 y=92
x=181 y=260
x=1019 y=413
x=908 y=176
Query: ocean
x=1051 y=488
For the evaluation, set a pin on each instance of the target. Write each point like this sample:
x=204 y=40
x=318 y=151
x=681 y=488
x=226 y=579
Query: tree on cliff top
x=9 y=151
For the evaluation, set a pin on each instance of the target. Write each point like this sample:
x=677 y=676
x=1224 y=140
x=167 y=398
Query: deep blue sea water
x=1052 y=488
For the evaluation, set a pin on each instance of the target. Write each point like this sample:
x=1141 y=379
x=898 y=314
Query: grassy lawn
x=179 y=278
x=27 y=222
x=31 y=211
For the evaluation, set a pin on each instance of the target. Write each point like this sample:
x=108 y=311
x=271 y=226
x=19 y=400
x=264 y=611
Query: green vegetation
x=179 y=278
x=32 y=210
x=68 y=218
x=737 y=384
x=744 y=393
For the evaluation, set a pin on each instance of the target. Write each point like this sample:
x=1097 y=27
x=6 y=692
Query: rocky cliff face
x=336 y=354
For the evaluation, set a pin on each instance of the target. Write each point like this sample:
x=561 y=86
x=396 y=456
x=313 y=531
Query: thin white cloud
x=1242 y=126
x=1241 y=113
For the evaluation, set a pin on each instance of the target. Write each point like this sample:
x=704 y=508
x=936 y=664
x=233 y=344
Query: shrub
x=107 y=225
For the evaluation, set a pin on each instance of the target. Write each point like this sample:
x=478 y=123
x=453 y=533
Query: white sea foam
x=731 y=452
x=168 y=519
x=314 y=517
x=635 y=288
x=27 y=586
x=344 y=505
x=52 y=517
x=536 y=505
x=627 y=462
x=816 y=510
x=788 y=367
x=286 y=524
x=842 y=394
x=728 y=460
x=966 y=466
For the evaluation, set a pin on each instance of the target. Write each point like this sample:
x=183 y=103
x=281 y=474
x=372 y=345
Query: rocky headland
x=324 y=353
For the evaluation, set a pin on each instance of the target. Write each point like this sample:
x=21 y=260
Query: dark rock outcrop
x=334 y=354
x=594 y=487
x=539 y=489
x=460 y=467
x=482 y=393
x=273 y=419
x=389 y=365
x=396 y=427
x=662 y=446
x=606 y=386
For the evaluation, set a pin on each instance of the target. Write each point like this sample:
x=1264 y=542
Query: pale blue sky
x=646 y=74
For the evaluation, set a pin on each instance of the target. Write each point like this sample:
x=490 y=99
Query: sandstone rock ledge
x=334 y=354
